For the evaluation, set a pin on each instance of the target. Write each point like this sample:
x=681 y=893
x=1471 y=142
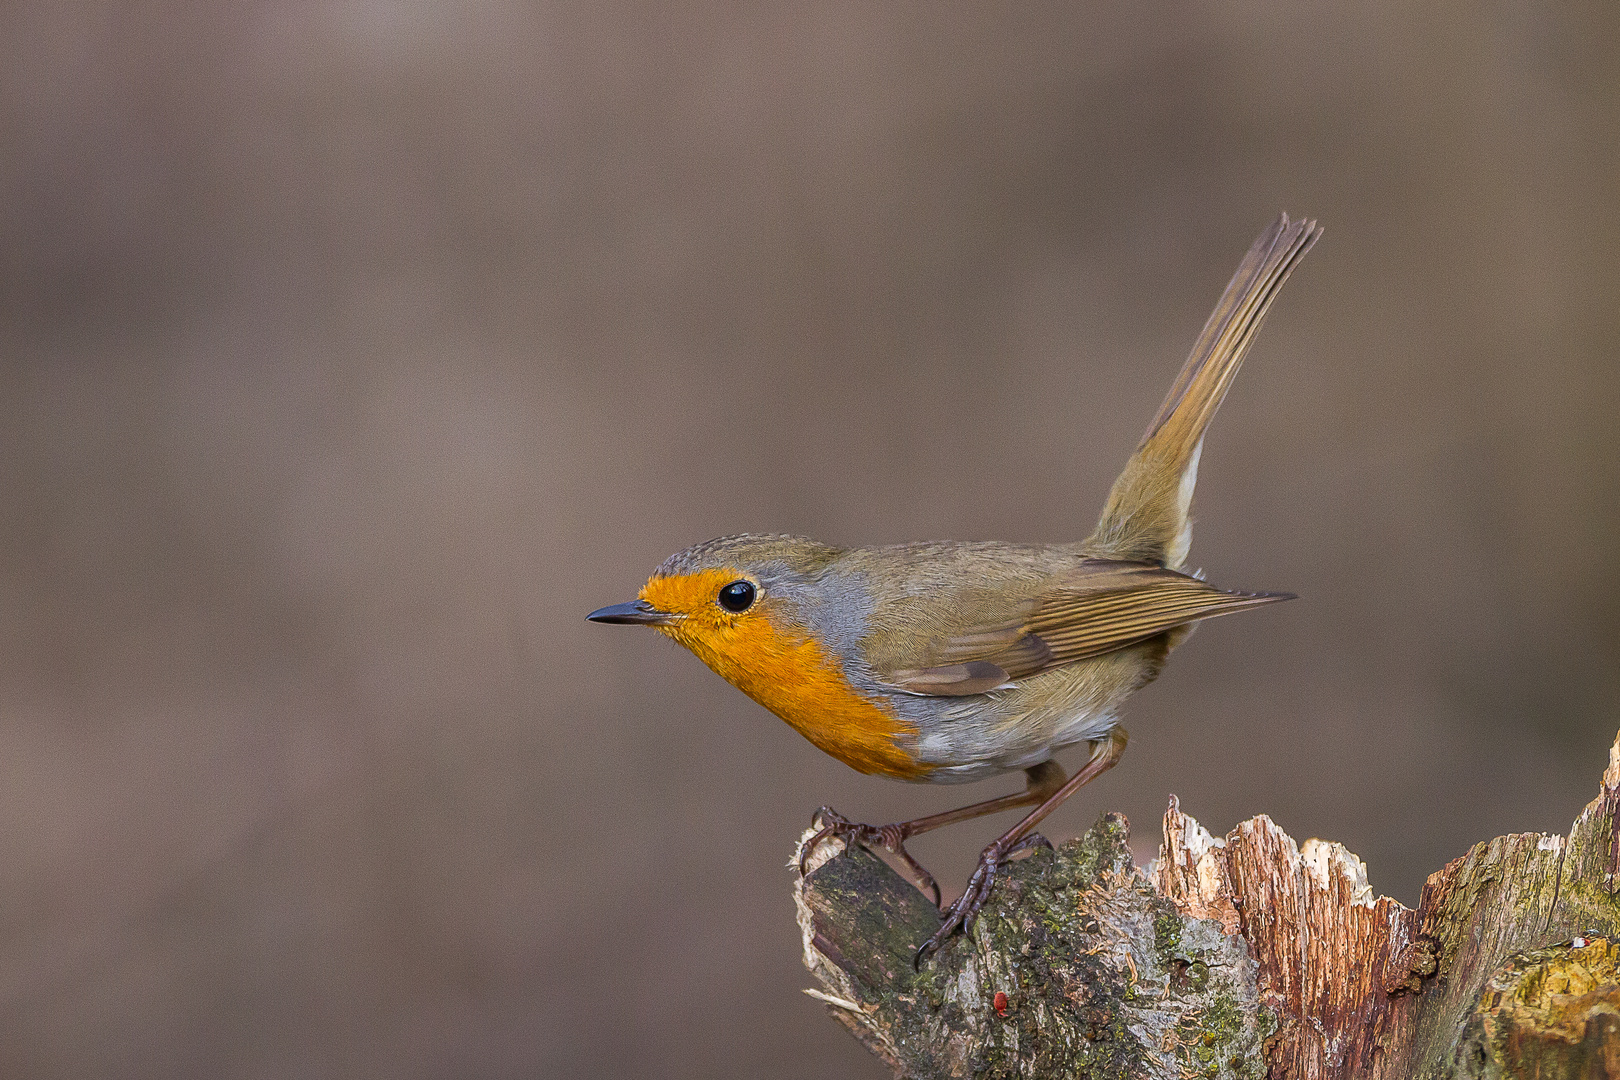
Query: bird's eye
x=738 y=596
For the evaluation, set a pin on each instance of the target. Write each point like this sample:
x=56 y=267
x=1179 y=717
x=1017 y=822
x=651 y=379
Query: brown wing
x=1104 y=606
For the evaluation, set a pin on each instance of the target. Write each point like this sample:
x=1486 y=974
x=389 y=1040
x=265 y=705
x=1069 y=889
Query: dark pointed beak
x=636 y=611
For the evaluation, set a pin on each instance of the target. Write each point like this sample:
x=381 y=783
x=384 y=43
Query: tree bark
x=1244 y=956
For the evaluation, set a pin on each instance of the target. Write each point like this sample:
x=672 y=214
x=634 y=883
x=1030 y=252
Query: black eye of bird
x=738 y=596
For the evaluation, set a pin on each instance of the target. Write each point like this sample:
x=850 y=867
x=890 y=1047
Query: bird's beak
x=636 y=611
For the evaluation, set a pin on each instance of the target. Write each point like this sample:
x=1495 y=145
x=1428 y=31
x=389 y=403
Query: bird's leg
x=1044 y=780
x=960 y=915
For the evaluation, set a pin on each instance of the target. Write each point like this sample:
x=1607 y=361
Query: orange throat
x=787 y=671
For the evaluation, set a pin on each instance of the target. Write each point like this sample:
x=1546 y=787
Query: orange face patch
x=778 y=664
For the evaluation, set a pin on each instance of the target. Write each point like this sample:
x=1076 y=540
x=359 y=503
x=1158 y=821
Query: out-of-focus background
x=352 y=352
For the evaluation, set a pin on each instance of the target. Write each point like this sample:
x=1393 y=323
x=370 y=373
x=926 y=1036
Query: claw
x=834 y=821
x=964 y=912
x=891 y=838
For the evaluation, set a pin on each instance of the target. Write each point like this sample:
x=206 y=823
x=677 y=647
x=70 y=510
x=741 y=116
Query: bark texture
x=1241 y=956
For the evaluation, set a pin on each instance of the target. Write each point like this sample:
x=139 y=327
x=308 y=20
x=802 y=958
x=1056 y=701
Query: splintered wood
x=1246 y=955
x=1330 y=955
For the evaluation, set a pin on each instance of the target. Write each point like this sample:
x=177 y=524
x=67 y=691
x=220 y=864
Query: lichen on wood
x=1239 y=956
x=1075 y=967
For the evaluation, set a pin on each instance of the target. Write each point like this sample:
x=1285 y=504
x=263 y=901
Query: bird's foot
x=891 y=838
x=962 y=913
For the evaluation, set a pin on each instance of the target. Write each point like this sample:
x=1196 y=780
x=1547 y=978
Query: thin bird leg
x=1104 y=753
x=1044 y=780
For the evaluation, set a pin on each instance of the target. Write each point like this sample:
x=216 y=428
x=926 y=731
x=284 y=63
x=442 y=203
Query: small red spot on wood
x=1001 y=1003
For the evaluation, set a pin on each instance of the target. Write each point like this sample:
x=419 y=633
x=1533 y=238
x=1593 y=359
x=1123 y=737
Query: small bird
x=943 y=662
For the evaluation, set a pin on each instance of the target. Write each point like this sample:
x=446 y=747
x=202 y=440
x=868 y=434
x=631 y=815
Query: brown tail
x=1147 y=519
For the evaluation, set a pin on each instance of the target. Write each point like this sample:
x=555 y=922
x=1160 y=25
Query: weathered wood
x=1093 y=972
x=1241 y=956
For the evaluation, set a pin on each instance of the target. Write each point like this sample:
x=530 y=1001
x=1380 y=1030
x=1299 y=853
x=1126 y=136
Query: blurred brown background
x=352 y=352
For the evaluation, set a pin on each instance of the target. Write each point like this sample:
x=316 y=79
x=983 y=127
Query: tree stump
x=1244 y=956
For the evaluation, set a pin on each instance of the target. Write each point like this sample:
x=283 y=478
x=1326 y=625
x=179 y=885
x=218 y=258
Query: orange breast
x=784 y=669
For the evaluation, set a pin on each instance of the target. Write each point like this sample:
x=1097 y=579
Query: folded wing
x=1102 y=606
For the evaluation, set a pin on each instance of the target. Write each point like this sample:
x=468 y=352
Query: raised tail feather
x=1147 y=517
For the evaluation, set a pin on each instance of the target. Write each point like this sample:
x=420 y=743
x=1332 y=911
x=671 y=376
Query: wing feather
x=1103 y=606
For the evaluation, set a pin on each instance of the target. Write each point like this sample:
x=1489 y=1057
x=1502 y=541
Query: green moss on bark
x=1101 y=976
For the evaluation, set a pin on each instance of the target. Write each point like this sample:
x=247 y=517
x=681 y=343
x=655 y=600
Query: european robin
x=944 y=662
